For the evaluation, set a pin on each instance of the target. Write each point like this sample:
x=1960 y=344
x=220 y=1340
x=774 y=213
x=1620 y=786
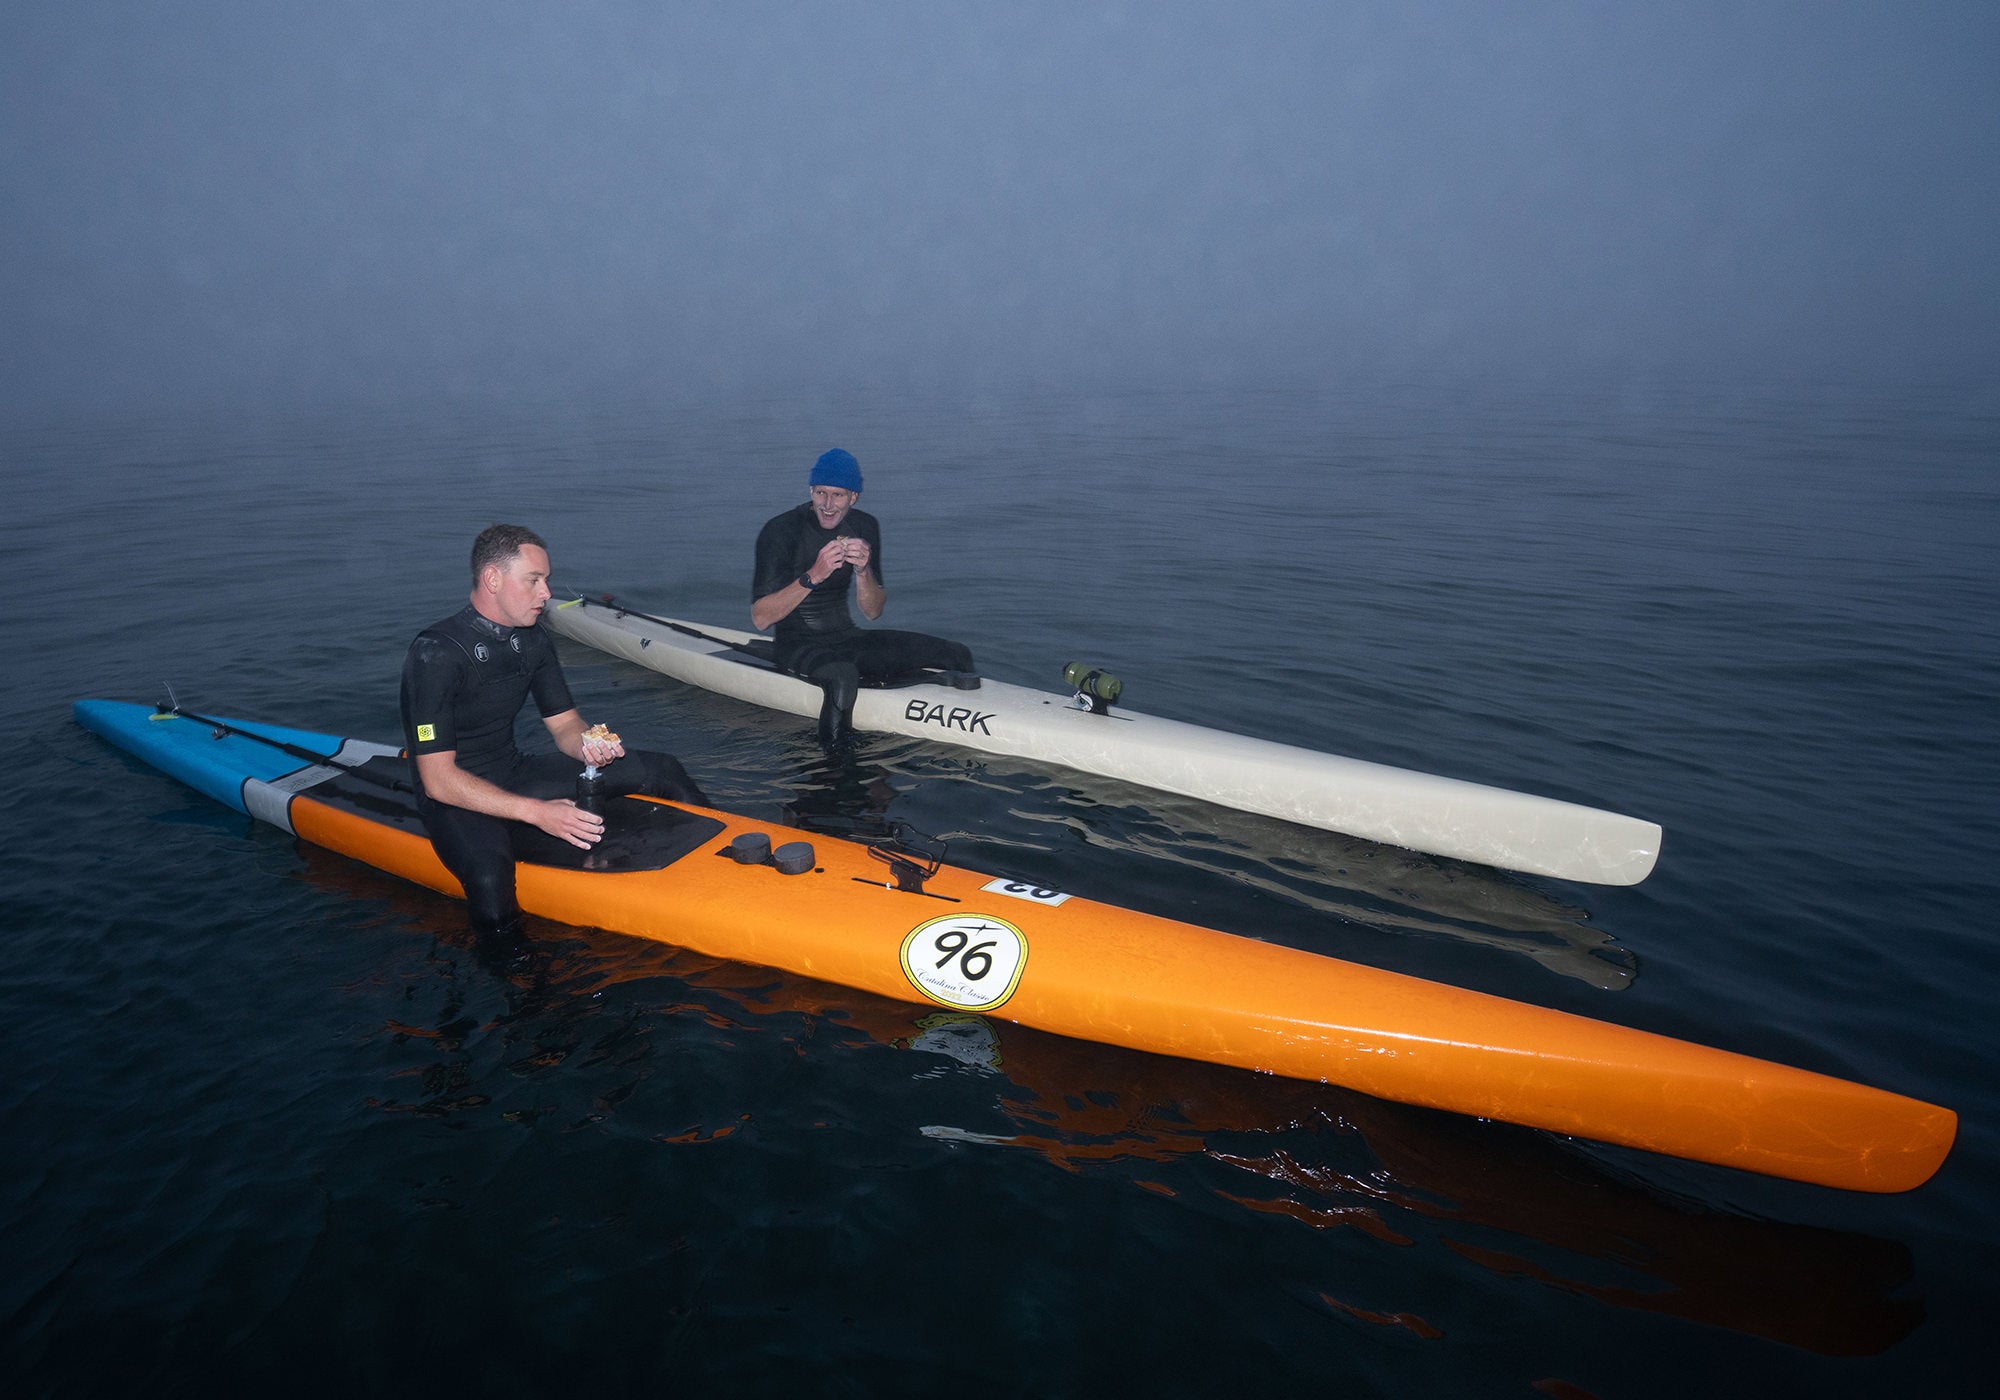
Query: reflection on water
x=1508 y=1200
x=836 y=795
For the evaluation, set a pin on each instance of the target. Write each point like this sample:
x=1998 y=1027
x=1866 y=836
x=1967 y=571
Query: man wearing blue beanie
x=808 y=559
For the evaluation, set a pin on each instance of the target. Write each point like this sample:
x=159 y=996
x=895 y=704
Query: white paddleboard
x=1396 y=806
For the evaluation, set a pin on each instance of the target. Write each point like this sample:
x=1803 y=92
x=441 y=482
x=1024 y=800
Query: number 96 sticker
x=970 y=961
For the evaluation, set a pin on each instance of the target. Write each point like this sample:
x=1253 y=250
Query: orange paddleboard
x=1061 y=963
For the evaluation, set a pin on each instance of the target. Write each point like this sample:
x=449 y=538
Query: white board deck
x=1396 y=806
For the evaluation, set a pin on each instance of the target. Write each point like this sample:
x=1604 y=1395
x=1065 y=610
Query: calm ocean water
x=268 y=1122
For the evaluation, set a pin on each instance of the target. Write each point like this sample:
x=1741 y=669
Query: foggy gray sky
x=263 y=200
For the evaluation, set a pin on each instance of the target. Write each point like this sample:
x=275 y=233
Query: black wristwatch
x=806 y=581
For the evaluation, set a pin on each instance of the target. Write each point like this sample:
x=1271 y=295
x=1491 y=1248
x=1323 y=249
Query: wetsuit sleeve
x=433 y=678
x=548 y=684
x=871 y=531
x=777 y=558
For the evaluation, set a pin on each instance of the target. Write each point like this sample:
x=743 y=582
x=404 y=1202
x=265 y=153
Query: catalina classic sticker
x=971 y=961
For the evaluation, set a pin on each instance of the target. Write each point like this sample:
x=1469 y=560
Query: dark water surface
x=269 y=1122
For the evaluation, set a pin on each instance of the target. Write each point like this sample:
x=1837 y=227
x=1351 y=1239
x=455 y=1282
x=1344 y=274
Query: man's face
x=523 y=587
x=830 y=505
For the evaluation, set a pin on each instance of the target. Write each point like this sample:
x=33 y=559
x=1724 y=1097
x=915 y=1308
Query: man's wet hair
x=499 y=543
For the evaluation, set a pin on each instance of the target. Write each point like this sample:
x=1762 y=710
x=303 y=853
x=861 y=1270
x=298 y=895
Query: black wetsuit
x=464 y=682
x=818 y=639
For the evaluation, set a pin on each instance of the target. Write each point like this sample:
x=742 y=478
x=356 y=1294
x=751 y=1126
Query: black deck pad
x=638 y=835
x=902 y=680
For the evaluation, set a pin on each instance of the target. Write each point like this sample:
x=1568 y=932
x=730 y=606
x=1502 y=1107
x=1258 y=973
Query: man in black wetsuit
x=807 y=559
x=464 y=681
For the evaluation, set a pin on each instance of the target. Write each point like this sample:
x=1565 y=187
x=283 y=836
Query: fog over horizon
x=269 y=202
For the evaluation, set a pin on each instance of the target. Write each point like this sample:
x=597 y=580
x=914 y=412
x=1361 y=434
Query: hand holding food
x=832 y=555
x=599 y=746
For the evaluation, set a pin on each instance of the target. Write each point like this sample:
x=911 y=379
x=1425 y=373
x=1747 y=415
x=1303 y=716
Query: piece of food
x=600 y=734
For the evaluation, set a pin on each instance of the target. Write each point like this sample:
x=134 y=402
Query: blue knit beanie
x=838 y=469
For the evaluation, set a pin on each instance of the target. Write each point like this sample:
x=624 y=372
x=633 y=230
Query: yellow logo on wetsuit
x=426 y=733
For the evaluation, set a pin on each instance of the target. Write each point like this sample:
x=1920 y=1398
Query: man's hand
x=595 y=746
x=598 y=752
x=831 y=556
x=563 y=819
